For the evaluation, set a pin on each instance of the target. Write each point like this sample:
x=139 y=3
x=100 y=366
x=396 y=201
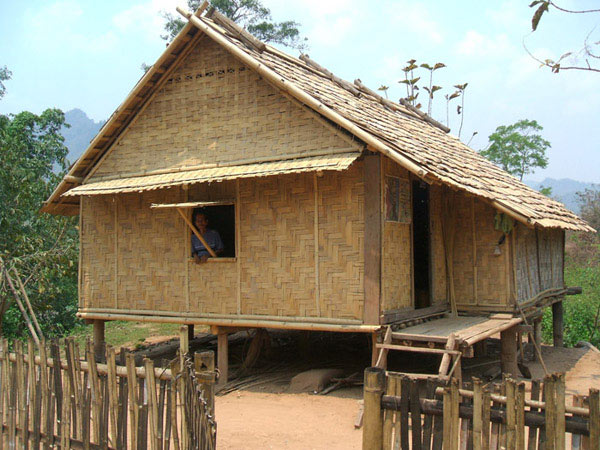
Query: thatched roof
x=407 y=136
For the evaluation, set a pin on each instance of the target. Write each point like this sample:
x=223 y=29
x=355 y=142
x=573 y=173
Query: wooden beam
x=372 y=240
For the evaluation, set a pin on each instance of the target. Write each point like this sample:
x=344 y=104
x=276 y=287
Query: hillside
x=564 y=190
x=82 y=131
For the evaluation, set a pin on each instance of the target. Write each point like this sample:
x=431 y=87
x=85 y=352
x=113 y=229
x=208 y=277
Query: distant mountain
x=82 y=131
x=564 y=190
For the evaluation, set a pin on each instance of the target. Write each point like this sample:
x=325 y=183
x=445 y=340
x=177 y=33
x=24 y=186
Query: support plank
x=372 y=240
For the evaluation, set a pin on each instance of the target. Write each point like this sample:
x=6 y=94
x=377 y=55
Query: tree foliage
x=250 y=14
x=585 y=58
x=589 y=206
x=5 y=75
x=41 y=247
x=518 y=148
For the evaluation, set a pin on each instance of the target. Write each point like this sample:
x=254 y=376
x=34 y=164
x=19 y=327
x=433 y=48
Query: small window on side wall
x=218 y=223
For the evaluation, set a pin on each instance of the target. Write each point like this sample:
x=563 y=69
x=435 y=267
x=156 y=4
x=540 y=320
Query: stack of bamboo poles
x=405 y=413
x=17 y=287
x=50 y=396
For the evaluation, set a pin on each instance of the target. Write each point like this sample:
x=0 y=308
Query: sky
x=87 y=54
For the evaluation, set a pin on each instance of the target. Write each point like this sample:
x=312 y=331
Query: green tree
x=589 y=204
x=41 y=247
x=250 y=14
x=518 y=148
x=5 y=75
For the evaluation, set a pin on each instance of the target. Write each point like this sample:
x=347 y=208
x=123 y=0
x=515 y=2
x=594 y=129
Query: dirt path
x=256 y=420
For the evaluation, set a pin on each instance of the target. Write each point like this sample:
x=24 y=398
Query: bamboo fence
x=52 y=397
x=405 y=413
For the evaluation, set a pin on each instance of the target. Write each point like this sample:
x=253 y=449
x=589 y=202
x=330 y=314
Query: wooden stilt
x=557 y=324
x=222 y=356
x=99 y=342
x=190 y=333
x=508 y=352
x=374 y=350
x=537 y=336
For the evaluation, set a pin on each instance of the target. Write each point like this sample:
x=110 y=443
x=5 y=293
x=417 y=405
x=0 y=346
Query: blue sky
x=87 y=54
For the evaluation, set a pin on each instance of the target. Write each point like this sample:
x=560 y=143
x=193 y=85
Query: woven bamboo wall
x=97 y=252
x=151 y=251
x=481 y=277
x=146 y=261
x=539 y=261
x=216 y=110
x=341 y=224
x=277 y=246
x=396 y=274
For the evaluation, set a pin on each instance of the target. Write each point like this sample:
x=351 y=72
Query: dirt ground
x=257 y=420
x=258 y=412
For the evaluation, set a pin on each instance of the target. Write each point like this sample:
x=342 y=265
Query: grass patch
x=123 y=333
x=581 y=312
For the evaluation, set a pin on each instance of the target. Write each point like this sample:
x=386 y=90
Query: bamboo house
x=338 y=210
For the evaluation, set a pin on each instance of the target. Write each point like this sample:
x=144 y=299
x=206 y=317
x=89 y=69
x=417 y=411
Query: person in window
x=212 y=238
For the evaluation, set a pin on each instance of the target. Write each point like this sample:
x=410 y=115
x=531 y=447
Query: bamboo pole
x=373 y=420
x=133 y=400
x=28 y=303
x=477 y=414
x=21 y=308
x=594 y=419
x=152 y=404
x=246 y=323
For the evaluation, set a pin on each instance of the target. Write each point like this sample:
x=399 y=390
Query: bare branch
x=573 y=11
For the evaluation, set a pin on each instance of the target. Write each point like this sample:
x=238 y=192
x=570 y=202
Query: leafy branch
x=586 y=52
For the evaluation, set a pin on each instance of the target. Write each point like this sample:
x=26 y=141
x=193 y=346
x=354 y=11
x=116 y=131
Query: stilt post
x=508 y=352
x=222 y=356
x=557 y=324
x=99 y=342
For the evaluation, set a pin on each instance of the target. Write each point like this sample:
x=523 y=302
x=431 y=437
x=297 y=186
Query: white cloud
x=477 y=44
x=147 y=17
x=416 y=18
x=511 y=15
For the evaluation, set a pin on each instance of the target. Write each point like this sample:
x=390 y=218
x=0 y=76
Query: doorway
x=421 y=244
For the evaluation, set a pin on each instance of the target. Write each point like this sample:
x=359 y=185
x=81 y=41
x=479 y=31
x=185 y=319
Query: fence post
x=184 y=340
x=594 y=418
x=373 y=420
x=204 y=366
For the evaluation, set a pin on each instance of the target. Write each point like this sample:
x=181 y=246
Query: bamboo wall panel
x=396 y=277
x=277 y=246
x=463 y=252
x=438 y=263
x=557 y=248
x=341 y=243
x=98 y=252
x=491 y=284
x=547 y=246
x=213 y=287
x=216 y=110
x=151 y=259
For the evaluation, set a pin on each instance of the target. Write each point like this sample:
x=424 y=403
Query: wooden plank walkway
x=466 y=329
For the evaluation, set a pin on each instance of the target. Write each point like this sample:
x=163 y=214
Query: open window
x=220 y=216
